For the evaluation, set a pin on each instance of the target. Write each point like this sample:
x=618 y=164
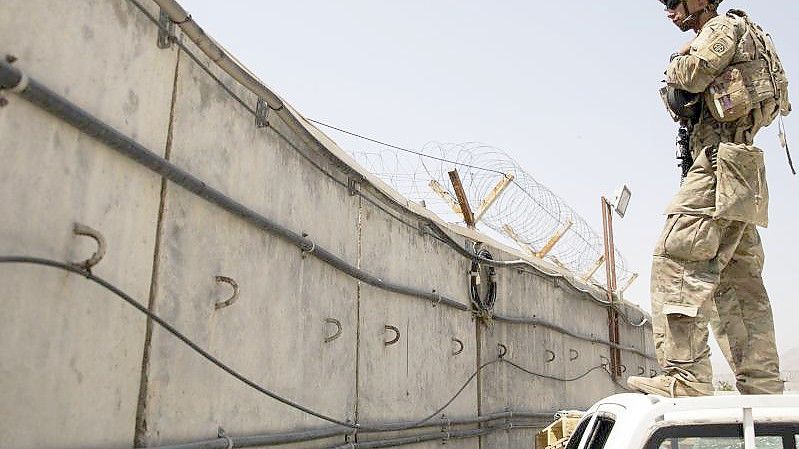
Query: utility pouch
x=741 y=189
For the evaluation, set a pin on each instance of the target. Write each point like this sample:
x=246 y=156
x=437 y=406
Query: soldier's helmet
x=671 y=4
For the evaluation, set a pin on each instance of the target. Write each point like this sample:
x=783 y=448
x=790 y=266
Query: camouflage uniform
x=708 y=261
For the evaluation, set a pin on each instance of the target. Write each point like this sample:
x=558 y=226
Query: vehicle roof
x=641 y=406
x=637 y=416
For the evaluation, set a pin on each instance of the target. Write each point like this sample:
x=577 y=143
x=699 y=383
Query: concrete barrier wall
x=78 y=368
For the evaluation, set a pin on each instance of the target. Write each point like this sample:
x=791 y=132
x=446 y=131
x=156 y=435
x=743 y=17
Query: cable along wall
x=340 y=245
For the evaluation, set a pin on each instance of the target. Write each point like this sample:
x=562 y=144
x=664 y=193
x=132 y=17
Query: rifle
x=684 y=149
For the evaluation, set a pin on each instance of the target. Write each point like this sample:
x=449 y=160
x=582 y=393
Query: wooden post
x=442 y=192
x=510 y=232
x=491 y=198
x=460 y=194
x=594 y=268
x=554 y=240
x=628 y=284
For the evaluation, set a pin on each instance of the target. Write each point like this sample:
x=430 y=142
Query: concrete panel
x=274 y=333
x=100 y=54
x=215 y=138
x=276 y=330
x=70 y=364
x=412 y=378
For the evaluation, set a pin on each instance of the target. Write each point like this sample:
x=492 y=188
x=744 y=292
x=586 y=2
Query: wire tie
x=222 y=434
x=437 y=299
x=310 y=250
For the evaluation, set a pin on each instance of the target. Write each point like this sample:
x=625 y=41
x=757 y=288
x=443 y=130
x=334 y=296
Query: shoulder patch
x=719 y=48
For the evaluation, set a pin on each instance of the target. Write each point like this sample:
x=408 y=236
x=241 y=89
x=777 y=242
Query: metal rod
x=610 y=271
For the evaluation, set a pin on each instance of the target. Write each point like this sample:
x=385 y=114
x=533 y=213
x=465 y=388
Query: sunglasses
x=671 y=4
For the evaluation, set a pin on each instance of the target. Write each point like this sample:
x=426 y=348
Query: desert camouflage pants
x=705 y=271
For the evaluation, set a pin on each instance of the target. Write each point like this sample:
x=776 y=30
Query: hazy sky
x=568 y=89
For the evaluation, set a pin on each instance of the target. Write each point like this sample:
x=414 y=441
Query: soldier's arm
x=711 y=51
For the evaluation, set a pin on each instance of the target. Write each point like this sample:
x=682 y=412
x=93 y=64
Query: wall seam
x=358 y=314
x=140 y=429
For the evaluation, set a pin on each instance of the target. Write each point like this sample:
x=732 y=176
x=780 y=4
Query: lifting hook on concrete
x=550 y=356
x=503 y=350
x=337 y=323
x=396 y=335
x=460 y=346
x=652 y=372
x=232 y=299
x=623 y=368
x=573 y=355
x=81 y=229
x=220 y=432
x=641 y=370
x=605 y=361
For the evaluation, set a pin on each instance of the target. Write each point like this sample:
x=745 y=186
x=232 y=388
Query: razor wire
x=526 y=214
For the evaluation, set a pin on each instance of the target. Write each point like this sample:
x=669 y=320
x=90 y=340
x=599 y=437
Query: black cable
x=205 y=354
x=547 y=376
x=572 y=379
x=483 y=304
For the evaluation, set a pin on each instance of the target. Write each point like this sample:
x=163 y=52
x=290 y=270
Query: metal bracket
x=166 y=30
x=460 y=346
x=337 y=323
x=81 y=229
x=261 y=114
x=605 y=361
x=233 y=297
x=353 y=186
x=446 y=428
x=396 y=335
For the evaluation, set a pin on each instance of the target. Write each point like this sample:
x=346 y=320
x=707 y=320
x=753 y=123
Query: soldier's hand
x=686 y=48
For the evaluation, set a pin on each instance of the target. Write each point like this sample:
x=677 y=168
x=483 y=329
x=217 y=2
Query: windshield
x=724 y=436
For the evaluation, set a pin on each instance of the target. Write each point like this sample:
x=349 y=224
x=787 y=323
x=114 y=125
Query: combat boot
x=669 y=386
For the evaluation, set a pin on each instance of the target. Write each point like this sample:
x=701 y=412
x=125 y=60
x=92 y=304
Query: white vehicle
x=638 y=421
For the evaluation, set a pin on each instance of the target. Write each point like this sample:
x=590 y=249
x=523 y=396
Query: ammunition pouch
x=738 y=89
x=743 y=85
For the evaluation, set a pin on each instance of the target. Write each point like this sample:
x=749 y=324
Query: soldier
x=723 y=87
